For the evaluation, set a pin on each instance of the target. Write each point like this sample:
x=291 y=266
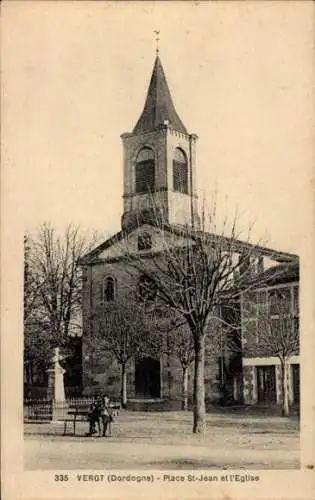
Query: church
x=159 y=175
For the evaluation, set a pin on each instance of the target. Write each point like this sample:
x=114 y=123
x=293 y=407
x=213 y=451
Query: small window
x=144 y=241
x=279 y=301
x=109 y=289
x=250 y=305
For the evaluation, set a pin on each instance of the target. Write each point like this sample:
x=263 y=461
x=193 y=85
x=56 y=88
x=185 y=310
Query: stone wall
x=102 y=373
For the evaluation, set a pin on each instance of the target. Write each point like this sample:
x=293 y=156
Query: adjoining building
x=275 y=306
x=159 y=178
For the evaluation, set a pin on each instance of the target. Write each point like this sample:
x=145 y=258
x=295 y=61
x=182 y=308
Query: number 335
x=61 y=477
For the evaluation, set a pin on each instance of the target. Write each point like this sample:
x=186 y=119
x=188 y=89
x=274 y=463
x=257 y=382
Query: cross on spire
x=157 y=39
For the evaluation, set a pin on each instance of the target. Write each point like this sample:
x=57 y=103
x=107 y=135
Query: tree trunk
x=29 y=373
x=199 y=387
x=185 y=389
x=285 y=389
x=123 y=385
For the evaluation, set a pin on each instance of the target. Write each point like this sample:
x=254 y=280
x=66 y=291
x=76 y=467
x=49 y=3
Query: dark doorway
x=266 y=384
x=296 y=384
x=147 y=378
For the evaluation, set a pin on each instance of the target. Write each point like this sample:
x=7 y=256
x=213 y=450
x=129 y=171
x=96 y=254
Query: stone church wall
x=103 y=374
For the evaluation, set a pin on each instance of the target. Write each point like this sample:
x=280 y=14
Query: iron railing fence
x=40 y=392
x=44 y=409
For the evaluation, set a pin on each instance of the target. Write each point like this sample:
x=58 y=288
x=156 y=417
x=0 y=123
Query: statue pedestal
x=56 y=388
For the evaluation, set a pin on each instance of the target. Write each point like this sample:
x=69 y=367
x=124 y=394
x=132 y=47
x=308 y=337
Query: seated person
x=94 y=414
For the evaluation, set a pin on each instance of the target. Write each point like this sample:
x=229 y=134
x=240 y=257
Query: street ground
x=165 y=441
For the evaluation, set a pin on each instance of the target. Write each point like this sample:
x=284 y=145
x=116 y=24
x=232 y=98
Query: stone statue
x=56 y=387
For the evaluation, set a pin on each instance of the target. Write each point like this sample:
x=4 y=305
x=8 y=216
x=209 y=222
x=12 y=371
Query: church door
x=147 y=378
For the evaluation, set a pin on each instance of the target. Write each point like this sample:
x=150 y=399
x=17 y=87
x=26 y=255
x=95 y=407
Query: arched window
x=145 y=171
x=109 y=289
x=180 y=172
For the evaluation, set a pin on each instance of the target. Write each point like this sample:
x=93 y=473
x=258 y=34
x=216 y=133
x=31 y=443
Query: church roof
x=159 y=105
x=285 y=258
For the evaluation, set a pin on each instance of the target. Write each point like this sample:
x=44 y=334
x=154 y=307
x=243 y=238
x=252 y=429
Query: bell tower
x=159 y=162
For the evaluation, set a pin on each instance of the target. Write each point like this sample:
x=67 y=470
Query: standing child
x=106 y=418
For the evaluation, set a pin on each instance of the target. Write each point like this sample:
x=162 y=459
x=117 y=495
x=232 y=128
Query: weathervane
x=157 y=39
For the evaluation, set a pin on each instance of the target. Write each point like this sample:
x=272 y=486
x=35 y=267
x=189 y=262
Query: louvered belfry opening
x=145 y=171
x=180 y=172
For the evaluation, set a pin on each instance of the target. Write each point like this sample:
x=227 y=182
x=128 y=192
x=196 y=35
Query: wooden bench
x=80 y=414
x=73 y=416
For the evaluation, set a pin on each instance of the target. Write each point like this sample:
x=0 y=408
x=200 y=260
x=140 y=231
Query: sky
x=75 y=77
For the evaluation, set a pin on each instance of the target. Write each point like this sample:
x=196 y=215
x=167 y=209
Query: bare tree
x=192 y=273
x=36 y=337
x=122 y=328
x=32 y=283
x=52 y=290
x=170 y=336
x=278 y=333
x=180 y=344
x=224 y=332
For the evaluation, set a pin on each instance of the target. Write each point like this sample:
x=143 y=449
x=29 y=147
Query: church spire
x=159 y=162
x=159 y=108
